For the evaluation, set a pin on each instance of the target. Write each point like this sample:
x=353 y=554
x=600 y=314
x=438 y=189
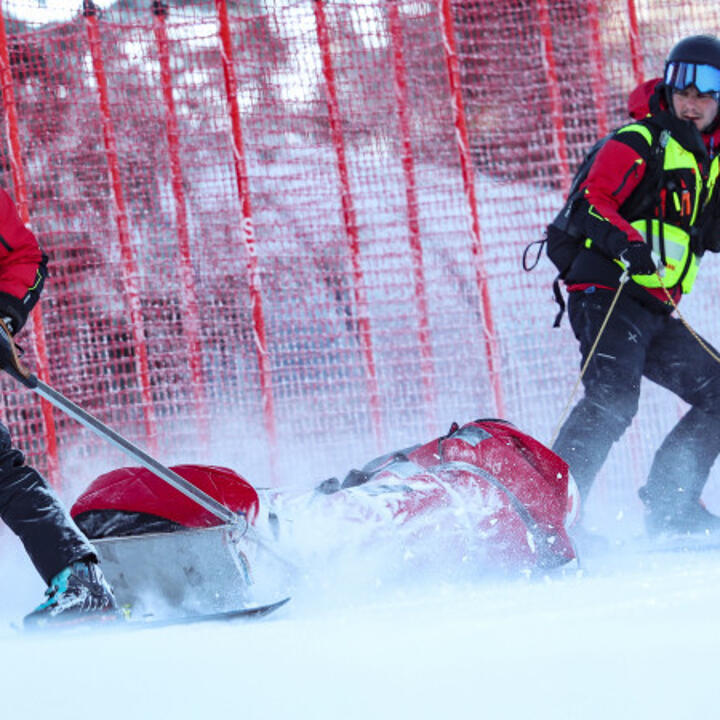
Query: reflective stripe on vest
x=677 y=256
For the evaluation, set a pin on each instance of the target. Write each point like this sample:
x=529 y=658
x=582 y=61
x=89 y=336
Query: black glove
x=706 y=235
x=697 y=242
x=710 y=235
x=6 y=349
x=638 y=259
x=713 y=243
x=13 y=313
x=8 y=323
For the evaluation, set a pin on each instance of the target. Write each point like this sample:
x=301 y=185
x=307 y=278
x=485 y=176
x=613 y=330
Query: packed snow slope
x=633 y=635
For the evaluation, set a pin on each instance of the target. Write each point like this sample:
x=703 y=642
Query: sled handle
x=10 y=362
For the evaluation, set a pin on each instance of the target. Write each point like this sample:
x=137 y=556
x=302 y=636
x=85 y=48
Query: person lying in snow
x=484 y=494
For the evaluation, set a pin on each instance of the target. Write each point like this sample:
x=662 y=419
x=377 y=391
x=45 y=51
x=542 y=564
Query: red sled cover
x=137 y=490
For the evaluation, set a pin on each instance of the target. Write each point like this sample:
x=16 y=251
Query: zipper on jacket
x=634 y=168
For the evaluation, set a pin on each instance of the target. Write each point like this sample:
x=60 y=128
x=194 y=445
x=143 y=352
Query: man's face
x=699 y=108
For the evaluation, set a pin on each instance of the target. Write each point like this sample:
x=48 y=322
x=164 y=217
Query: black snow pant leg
x=32 y=510
x=611 y=380
x=585 y=439
x=683 y=461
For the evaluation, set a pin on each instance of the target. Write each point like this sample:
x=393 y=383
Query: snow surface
x=632 y=635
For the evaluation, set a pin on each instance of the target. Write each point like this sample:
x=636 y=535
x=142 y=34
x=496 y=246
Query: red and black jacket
x=616 y=189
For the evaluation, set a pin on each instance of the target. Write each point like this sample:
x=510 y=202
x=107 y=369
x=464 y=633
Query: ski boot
x=684 y=517
x=78 y=593
x=694 y=519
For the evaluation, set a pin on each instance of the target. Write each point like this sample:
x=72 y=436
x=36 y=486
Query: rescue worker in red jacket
x=642 y=213
x=28 y=505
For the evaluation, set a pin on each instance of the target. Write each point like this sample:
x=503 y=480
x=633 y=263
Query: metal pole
x=11 y=364
x=164 y=473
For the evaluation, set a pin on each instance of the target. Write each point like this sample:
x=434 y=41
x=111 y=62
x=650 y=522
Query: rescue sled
x=194 y=558
x=167 y=556
x=182 y=541
x=484 y=496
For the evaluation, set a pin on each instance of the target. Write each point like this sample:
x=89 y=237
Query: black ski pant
x=32 y=510
x=638 y=342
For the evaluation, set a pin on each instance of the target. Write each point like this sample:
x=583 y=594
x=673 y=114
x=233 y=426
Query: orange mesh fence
x=286 y=236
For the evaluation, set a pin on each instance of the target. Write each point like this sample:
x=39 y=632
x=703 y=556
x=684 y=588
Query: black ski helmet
x=683 y=68
x=698 y=49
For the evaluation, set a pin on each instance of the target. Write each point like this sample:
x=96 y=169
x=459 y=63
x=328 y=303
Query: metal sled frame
x=177 y=573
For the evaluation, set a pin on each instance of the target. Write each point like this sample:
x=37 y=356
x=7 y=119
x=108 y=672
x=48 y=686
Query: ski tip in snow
x=124 y=621
x=244 y=613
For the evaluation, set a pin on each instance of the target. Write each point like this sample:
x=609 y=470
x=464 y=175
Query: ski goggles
x=705 y=78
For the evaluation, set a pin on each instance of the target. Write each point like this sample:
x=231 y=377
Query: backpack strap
x=541 y=244
x=559 y=299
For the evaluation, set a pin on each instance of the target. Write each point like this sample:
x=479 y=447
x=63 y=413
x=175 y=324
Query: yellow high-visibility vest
x=680 y=263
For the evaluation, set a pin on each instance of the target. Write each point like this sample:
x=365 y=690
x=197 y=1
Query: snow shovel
x=186 y=572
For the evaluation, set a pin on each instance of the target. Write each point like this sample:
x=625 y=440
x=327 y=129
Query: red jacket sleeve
x=20 y=254
x=614 y=175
